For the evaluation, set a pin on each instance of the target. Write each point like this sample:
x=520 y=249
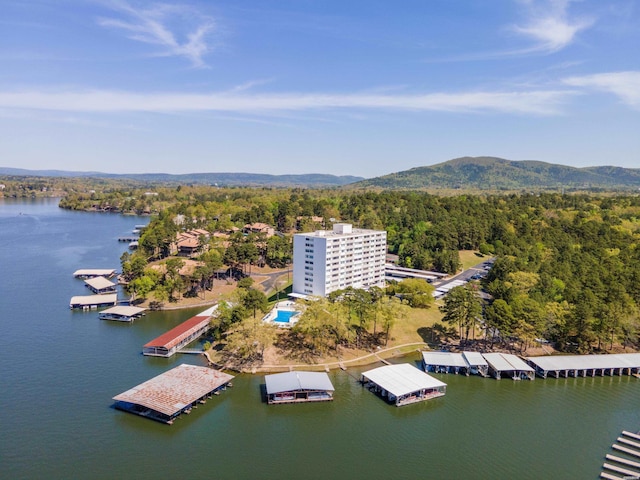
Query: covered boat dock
x=477 y=364
x=586 y=365
x=100 y=285
x=297 y=387
x=508 y=364
x=403 y=384
x=87 y=302
x=448 y=362
x=444 y=362
x=122 y=313
x=165 y=397
x=94 y=272
x=170 y=342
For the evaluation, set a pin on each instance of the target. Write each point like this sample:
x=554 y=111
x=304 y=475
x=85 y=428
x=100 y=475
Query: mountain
x=221 y=179
x=491 y=173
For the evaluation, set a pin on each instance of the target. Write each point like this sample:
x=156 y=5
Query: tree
x=463 y=307
x=254 y=300
x=417 y=292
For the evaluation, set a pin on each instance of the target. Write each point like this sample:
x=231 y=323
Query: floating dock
x=586 y=365
x=122 y=313
x=100 y=285
x=501 y=364
x=170 y=342
x=94 y=272
x=298 y=387
x=167 y=396
x=403 y=384
x=91 y=302
x=628 y=466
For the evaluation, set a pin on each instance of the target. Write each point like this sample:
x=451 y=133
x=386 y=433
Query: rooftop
x=171 y=391
x=292 y=381
x=402 y=379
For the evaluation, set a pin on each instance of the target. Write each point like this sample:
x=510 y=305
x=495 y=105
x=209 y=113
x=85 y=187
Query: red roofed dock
x=170 y=342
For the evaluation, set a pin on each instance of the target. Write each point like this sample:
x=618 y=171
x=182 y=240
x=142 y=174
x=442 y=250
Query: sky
x=344 y=87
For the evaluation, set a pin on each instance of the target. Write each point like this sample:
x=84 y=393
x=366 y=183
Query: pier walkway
x=623 y=467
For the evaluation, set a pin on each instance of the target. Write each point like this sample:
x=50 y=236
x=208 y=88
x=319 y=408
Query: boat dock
x=507 y=364
x=178 y=337
x=94 y=272
x=122 y=313
x=129 y=238
x=618 y=467
x=170 y=394
x=100 y=285
x=447 y=362
x=298 y=387
x=92 y=302
x=403 y=384
x=586 y=365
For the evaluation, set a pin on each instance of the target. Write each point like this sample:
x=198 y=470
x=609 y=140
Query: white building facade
x=325 y=261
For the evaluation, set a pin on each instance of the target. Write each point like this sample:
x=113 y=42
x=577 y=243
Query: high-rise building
x=324 y=261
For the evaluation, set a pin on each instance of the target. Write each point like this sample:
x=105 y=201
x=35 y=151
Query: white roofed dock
x=586 y=365
x=94 y=272
x=100 y=285
x=403 y=384
x=296 y=387
x=448 y=362
x=87 y=302
x=122 y=313
x=506 y=363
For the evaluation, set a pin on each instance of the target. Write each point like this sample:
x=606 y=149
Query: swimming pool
x=284 y=316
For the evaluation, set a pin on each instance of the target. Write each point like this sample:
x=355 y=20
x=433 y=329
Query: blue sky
x=347 y=87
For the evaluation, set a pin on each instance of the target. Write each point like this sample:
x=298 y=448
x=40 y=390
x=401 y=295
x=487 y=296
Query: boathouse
x=586 y=365
x=477 y=364
x=507 y=364
x=94 y=272
x=100 y=285
x=170 y=342
x=87 y=302
x=165 y=397
x=122 y=313
x=297 y=387
x=402 y=384
x=444 y=362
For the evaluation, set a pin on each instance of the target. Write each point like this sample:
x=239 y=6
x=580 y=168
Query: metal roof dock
x=296 y=387
x=477 y=364
x=586 y=365
x=506 y=363
x=100 y=285
x=448 y=362
x=444 y=362
x=403 y=384
x=170 y=342
x=94 y=272
x=122 y=313
x=165 y=397
x=87 y=302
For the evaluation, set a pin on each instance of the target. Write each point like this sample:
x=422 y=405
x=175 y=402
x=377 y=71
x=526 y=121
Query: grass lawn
x=471 y=258
x=408 y=329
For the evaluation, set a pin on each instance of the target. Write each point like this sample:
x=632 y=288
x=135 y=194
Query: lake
x=59 y=370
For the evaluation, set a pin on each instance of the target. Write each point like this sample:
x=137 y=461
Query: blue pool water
x=284 y=316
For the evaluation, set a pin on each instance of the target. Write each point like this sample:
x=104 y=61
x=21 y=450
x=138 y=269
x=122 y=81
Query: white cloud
x=549 y=26
x=540 y=102
x=625 y=85
x=157 y=26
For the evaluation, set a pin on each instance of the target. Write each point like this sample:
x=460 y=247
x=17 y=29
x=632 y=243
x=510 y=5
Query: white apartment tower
x=324 y=261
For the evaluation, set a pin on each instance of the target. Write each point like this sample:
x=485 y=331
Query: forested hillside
x=490 y=173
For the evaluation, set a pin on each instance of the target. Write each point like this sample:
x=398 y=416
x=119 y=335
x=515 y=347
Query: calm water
x=59 y=370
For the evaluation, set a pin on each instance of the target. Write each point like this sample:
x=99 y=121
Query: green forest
x=567 y=267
